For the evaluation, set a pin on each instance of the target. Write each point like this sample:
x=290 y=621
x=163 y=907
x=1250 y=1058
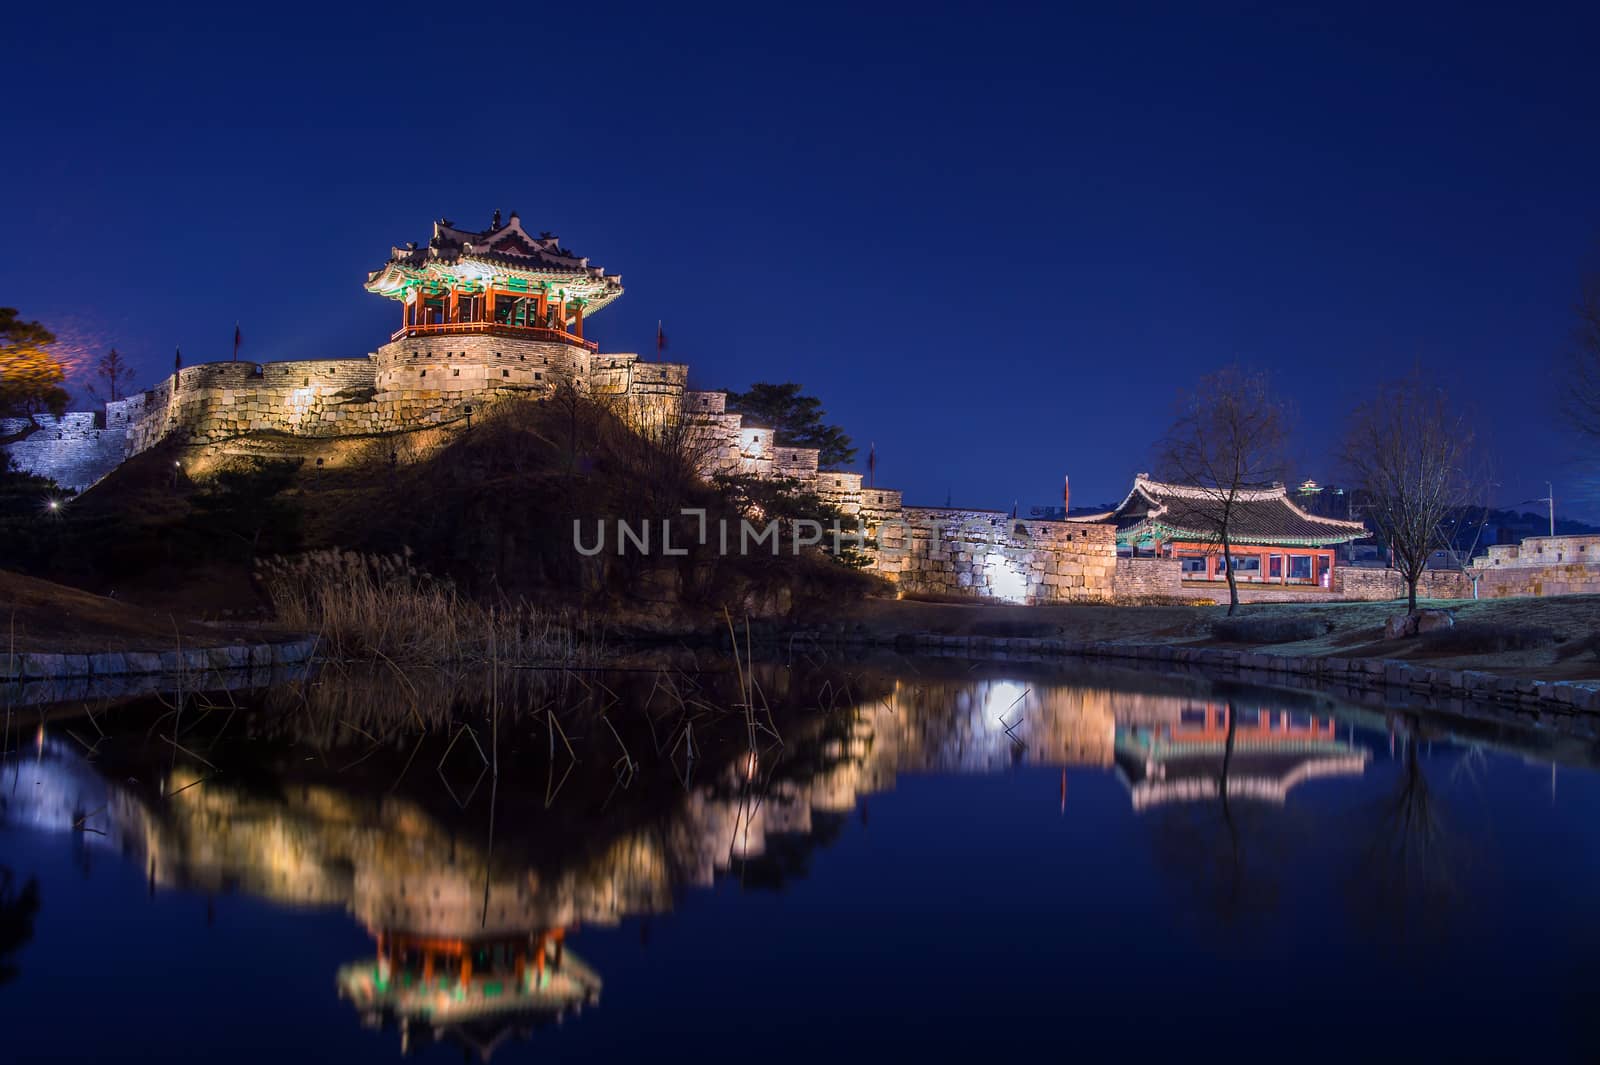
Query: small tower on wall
x=502 y=278
x=484 y=313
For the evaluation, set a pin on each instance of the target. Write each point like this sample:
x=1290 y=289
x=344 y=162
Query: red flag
x=661 y=340
x=236 y=339
x=872 y=465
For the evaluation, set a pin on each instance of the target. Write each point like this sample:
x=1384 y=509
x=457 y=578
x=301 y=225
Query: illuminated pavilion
x=503 y=280
x=1272 y=540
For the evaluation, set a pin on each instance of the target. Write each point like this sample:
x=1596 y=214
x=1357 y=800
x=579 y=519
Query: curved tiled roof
x=1263 y=515
x=501 y=250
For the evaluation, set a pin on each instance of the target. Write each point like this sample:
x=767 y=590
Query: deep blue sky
x=996 y=242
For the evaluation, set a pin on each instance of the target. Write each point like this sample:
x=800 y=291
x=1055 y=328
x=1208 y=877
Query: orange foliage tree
x=31 y=376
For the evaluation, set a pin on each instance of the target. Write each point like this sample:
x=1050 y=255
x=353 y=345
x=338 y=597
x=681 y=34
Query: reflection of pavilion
x=461 y=953
x=479 y=991
x=1272 y=751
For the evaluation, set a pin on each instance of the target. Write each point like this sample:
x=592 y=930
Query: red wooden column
x=577 y=319
x=454 y=313
x=542 y=309
x=488 y=304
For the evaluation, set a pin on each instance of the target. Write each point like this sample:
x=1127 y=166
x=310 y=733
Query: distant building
x=1272 y=539
x=1324 y=500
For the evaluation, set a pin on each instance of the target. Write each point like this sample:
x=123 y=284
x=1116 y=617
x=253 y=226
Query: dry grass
x=1346 y=629
x=56 y=618
x=382 y=607
x=1270 y=628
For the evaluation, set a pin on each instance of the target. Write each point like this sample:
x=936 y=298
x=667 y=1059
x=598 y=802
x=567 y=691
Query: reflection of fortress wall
x=961 y=726
x=394 y=866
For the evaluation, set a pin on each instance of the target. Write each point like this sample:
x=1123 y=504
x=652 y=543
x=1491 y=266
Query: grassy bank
x=1545 y=638
x=37 y=615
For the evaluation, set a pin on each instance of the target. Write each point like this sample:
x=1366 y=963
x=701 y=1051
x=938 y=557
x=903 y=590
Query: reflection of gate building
x=1271 y=752
x=478 y=990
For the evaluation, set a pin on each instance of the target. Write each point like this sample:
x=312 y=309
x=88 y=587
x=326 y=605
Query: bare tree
x=1581 y=394
x=1411 y=456
x=1227 y=438
x=114 y=370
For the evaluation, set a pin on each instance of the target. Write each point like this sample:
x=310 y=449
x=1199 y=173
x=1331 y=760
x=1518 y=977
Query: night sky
x=995 y=242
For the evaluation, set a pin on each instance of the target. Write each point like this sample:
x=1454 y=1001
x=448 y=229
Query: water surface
x=928 y=858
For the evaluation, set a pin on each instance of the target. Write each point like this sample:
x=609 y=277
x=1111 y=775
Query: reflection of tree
x=1229 y=849
x=17 y=911
x=1404 y=881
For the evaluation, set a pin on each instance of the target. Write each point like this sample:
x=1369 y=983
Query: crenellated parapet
x=485 y=315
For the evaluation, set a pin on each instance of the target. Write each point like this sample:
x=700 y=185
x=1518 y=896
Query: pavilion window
x=1193 y=564
x=522 y=311
x=508 y=311
x=1247 y=565
x=1275 y=565
x=1300 y=567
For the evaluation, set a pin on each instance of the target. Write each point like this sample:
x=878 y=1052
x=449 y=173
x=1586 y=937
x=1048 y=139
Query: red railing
x=526 y=332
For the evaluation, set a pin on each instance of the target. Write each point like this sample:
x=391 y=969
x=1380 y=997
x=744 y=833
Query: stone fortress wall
x=407 y=384
x=926 y=551
x=75 y=449
x=985 y=554
x=434 y=380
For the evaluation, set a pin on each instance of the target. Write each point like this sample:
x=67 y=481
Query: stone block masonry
x=433 y=379
x=408 y=384
x=74 y=451
x=982 y=554
x=1362 y=584
x=1148 y=578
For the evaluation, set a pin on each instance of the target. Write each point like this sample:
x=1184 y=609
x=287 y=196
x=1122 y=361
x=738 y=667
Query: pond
x=857 y=860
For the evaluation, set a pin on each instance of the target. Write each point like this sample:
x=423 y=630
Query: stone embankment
x=1360 y=674
x=35 y=665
